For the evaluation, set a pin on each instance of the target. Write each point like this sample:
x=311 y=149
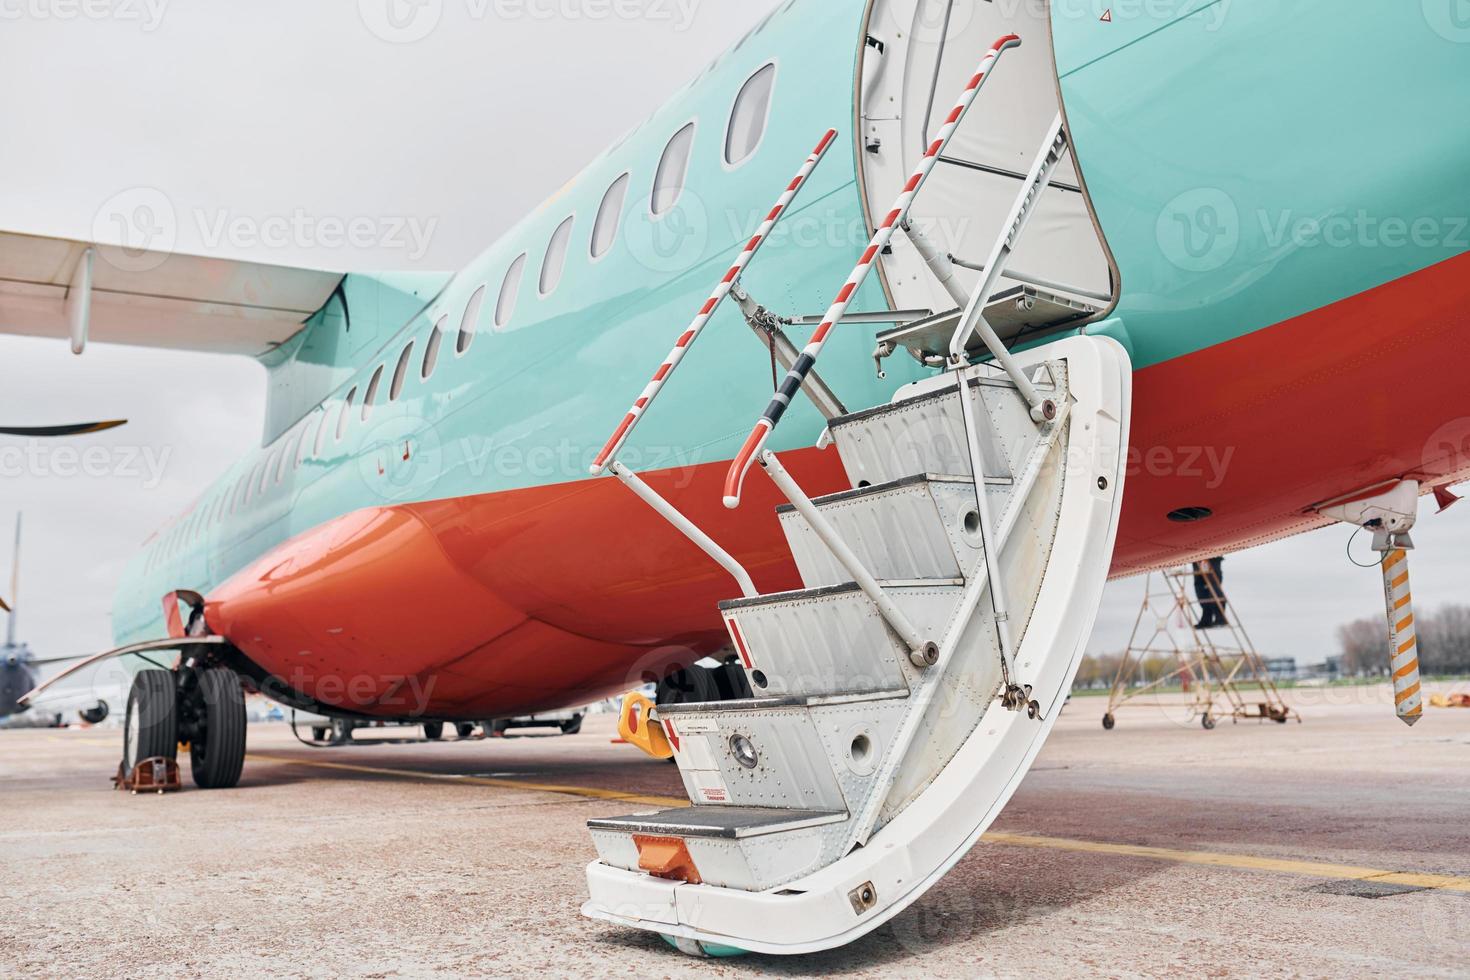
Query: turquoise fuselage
x=1200 y=136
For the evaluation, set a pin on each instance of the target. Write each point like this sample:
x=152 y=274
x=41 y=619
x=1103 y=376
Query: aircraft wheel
x=319 y=733
x=464 y=729
x=152 y=727
x=433 y=730
x=217 y=750
x=1109 y=721
x=1208 y=721
x=572 y=726
x=96 y=714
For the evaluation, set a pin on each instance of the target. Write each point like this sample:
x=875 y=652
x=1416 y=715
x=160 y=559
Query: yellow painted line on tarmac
x=1240 y=862
x=587 y=792
x=1236 y=862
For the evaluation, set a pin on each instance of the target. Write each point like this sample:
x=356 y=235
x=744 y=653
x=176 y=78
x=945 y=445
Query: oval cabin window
x=673 y=167
x=748 y=118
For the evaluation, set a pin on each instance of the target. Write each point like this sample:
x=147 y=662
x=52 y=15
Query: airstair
x=902 y=693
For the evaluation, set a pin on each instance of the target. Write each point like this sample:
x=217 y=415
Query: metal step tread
x=999 y=381
x=785 y=701
x=873 y=489
x=771 y=598
x=726 y=822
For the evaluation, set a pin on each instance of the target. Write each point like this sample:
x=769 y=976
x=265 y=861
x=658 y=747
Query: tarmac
x=1338 y=846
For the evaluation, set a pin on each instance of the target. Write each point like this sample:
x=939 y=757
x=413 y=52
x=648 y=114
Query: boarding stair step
x=832 y=640
x=918 y=528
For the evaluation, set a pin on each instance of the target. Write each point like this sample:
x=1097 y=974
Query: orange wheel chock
x=637 y=726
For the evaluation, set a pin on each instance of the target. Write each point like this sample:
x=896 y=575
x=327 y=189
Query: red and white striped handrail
x=735 y=478
x=686 y=339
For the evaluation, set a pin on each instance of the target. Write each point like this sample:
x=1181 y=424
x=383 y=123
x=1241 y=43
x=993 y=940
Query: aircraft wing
x=60 y=287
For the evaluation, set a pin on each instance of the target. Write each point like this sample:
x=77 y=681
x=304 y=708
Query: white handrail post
x=689 y=529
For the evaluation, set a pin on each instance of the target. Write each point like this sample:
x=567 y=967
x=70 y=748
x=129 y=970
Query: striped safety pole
x=1403 y=664
x=686 y=339
x=735 y=478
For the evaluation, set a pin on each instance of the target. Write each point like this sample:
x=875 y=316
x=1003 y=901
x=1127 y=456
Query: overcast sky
x=457 y=115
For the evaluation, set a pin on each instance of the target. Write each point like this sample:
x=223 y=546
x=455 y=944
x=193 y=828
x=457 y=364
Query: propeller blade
x=75 y=429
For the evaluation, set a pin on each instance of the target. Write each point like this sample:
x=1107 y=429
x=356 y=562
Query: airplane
x=19 y=666
x=1193 y=275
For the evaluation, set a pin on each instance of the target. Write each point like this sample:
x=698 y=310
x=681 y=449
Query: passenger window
x=306 y=439
x=668 y=181
x=506 y=305
x=400 y=372
x=556 y=257
x=321 y=435
x=265 y=472
x=372 y=393
x=748 y=118
x=346 y=413
x=469 y=321
x=431 y=349
x=609 y=214
x=288 y=452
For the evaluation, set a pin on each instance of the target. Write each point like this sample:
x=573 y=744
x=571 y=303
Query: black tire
x=152 y=724
x=464 y=729
x=94 y=715
x=1208 y=721
x=433 y=730
x=319 y=733
x=1109 y=721
x=699 y=685
x=572 y=726
x=217 y=751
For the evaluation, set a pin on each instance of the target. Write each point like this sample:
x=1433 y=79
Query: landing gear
x=1208 y=721
x=212 y=718
x=94 y=715
x=1109 y=721
x=153 y=719
x=572 y=725
x=433 y=730
x=465 y=729
x=497 y=728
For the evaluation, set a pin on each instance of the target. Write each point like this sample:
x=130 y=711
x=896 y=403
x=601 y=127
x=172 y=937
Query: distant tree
x=1444 y=640
x=1364 y=646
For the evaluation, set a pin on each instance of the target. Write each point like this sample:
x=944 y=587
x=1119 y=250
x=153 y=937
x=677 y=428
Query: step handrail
x=691 y=333
x=755 y=442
